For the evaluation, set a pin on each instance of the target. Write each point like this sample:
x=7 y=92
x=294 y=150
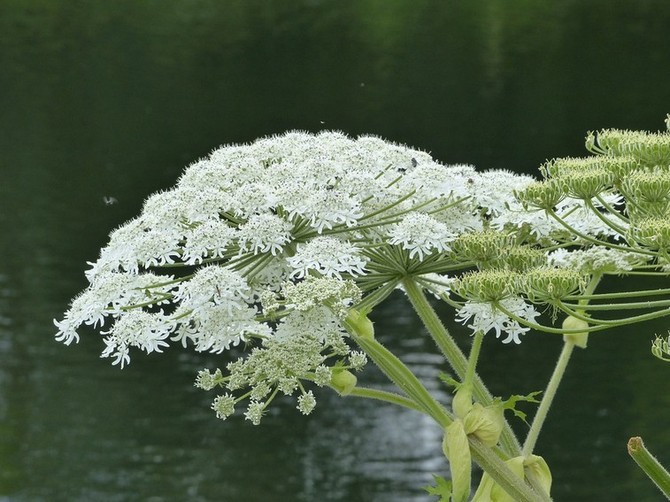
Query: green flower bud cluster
x=540 y=195
x=548 y=285
x=566 y=165
x=521 y=258
x=490 y=285
x=660 y=347
x=618 y=166
x=480 y=247
x=650 y=148
x=648 y=192
x=653 y=232
x=585 y=184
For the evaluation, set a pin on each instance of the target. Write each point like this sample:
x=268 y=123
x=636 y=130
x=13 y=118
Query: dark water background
x=112 y=99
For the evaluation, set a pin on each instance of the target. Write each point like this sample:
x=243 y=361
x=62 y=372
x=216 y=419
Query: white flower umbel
x=271 y=243
x=421 y=234
x=595 y=260
x=328 y=256
x=263 y=233
x=485 y=317
x=136 y=328
x=214 y=285
x=210 y=239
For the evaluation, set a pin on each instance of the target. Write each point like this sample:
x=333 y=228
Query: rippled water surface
x=113 y=99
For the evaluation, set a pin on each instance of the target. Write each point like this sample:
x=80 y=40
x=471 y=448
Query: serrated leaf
x=510 y=404
x=441 y=489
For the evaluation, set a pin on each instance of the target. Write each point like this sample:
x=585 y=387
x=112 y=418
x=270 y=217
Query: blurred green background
x=112 y=99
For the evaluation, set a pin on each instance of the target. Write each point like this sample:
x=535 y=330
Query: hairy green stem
x=486 y=457
x=548 y=397
x=456 y=358
x=403 y=377
x=556 y=376
x=478 y=338
x=649 y=465
x=387 y=397
x=491 y=463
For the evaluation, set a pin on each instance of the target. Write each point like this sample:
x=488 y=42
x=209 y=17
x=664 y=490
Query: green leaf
x=510 y=404
x=441 y=489
x=448 y=380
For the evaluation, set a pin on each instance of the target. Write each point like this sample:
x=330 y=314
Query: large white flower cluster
x=215 y=261
x=249 y=218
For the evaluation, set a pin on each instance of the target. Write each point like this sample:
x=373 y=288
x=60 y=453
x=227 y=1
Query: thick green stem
x=485 y=457
x=387 y=397
x=473 y=357
x=548 y=397
x=649 y=465
x=557 y=375
x=491 y=463
x=456 y=358
x=402 y=376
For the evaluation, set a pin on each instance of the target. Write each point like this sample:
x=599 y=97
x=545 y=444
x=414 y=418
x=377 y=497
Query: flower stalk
x=649 y=464
x=455 y=357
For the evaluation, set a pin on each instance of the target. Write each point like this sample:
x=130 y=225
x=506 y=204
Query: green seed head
x=480 y=247
x=585 y=184
x=547 y=284
x=541 y=195
x=651 y=232
x=521 y=258
x=486 y=285
x=648 y=192
x=650 y=149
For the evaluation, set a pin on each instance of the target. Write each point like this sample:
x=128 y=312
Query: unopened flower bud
x=536 y=467
x=462 y=402
x=360 y=324
x=490 y=491
x=456 y=448
x=343 y=382
x=486 y=423
x=579 y=339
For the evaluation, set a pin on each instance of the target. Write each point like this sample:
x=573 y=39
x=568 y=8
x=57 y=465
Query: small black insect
x=414 y=162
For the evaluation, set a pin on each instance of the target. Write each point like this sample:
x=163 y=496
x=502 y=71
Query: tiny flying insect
x=109 y=200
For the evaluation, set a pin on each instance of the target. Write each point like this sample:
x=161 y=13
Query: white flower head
x=263 y=233
x=328 y=256
x=136 y=328
x=596 y=259
x=210 y=239
x=215 y=328
x=214 y=285
x=421 y=234
x=485 y=317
